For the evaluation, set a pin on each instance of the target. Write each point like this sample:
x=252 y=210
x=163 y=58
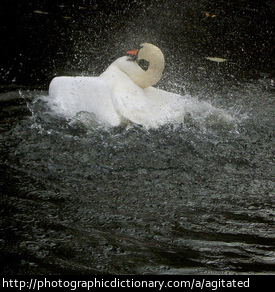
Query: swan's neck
x=149 y=77
x=142 y=78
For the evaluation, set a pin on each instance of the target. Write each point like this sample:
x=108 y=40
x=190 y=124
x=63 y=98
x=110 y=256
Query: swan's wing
x=71 y=95
x=150 y=107
x=172 y=108
x=132 y=104
x=75 y=94
x=167 y=106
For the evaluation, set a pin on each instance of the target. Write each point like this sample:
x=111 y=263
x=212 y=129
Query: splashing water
x=168 y=108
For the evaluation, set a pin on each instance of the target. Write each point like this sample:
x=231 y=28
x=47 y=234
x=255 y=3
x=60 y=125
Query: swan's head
x=155 y=59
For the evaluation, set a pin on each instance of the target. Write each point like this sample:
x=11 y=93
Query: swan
x=123 y=93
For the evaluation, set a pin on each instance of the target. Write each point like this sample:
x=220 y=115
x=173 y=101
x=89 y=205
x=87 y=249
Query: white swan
x=122 y=93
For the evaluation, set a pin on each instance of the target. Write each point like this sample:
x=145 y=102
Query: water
x=191 y=199
x=181 y=199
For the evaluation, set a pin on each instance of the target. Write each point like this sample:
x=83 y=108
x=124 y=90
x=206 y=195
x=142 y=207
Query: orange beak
x=134 y=52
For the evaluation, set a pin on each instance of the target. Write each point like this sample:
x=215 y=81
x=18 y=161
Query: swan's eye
x=143 y=64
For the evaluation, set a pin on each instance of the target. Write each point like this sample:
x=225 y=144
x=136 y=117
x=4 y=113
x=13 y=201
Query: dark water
x=196 y=198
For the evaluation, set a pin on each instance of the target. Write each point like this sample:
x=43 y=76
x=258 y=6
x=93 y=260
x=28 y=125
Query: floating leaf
x=207 y=14
x=215 y=59
x=40 y=12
